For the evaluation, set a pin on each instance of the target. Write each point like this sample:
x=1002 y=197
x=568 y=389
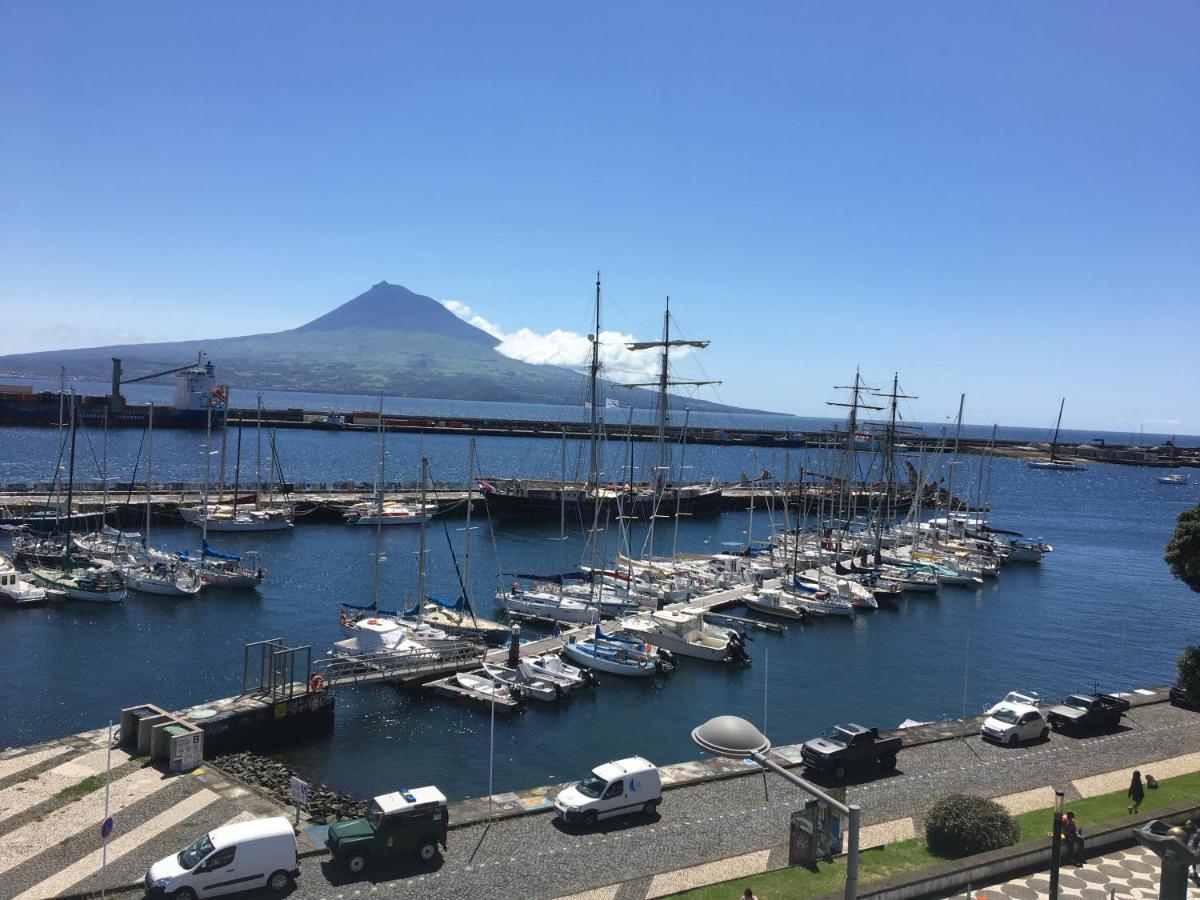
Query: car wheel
x=185 y=893
x=1012 y=739
x=279 y=881
x=590 y=818
x=356 y=863
x=650 y=808
x=888 y=762
x=1045 y=734
x=427 y=850
x=839 y=773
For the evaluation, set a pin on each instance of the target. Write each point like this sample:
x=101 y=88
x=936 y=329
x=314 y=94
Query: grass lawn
x=907 y=856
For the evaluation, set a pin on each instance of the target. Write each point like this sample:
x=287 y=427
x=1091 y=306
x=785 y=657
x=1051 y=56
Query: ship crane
x=117 y=402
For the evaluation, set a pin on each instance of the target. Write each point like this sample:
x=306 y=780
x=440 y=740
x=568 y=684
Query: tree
x=962 y=825
x=1183 y=550
x=1189 y=670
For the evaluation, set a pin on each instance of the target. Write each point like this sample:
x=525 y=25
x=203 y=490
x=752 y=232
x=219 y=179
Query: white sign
x=299 y=791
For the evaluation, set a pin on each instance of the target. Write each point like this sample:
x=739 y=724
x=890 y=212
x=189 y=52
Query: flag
x=610 y=403
x=487 y=488
x=220 y=393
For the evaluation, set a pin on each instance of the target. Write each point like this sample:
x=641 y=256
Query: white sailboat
x=1052 y=464
x=613 y=655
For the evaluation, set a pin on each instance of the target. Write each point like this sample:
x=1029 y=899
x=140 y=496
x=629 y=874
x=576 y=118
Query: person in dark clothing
x=1073 y=838
x=1136 y=792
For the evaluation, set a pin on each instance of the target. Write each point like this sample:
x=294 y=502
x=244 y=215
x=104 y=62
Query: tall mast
x=221 y=464
x=257 y=455
x=421 y=544
x=593 y=378
x=889 y=463
x=855 y=404
x=467 y=529
x=71 y=477
x=104 y=474
x=237 y=469
x=149 y=469
x=954 y=462
x=207 y=472
x=379 y=509
x=562 y=514
x=1057 y=423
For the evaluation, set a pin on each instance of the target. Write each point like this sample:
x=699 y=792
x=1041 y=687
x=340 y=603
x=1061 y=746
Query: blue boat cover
x=209 y=551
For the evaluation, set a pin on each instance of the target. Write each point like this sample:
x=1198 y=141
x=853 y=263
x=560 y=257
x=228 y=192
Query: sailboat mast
x=562 y=514
x=467 y=529
x=104 y=474
x=661 y=433
x=149 y=468
x=71 y=477
x=593 y=378
x=221 y=464
x=257 y=455
x=954 y=462
x=378 y=509
x=421 y=544
x=1057 y=423
x=237 y=469
x=207 y=472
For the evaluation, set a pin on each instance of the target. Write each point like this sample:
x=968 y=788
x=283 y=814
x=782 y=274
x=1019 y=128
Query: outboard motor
x=737 y=647
x=589 y=677
x=665 y=661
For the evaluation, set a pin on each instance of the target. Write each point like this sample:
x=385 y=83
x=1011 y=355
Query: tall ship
x=195 y=386
x=657 y=497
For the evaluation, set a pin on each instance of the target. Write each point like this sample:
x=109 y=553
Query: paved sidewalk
x=1105 y=872
x=1131 y=873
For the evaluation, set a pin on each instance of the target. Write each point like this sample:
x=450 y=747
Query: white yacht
x=371 y=513
x=174 y=579
x=772 y=602
x=686 y=633
x=1174 y=478
x=545 y=605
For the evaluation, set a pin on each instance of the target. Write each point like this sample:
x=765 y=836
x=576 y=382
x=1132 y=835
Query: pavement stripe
x=1119 y=780
x=603 y=893
x=887 y=833
x=13 y=765
x=30 y=839
x=27 y=794
x=1026 y=801
x=121 y=846
x=708 y=873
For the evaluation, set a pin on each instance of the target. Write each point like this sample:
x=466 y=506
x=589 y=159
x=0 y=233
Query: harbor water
x=1101 y=611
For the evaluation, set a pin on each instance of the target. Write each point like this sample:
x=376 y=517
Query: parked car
x=1180 y=697
x=242 y=857
x=612 y=789
x=846 y=747
x=1085 y=712
x=396 y=824
x=1011 y=723
x=1026 y=698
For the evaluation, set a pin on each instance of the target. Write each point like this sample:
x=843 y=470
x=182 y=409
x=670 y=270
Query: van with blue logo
x=613 y=789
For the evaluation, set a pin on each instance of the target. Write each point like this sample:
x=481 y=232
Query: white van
x=241 y=857
x=613 y=789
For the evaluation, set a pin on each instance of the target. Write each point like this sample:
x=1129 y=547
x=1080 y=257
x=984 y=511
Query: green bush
x=962 y=825
x=1189 y=670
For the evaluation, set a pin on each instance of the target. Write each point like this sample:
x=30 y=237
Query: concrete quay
x=717 y=820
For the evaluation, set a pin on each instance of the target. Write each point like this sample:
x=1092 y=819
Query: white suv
x=1011 y=723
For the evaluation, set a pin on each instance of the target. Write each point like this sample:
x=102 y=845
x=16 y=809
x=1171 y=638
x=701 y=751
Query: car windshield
x=1007 y=715
x=835 y=736
x=1078 y=702
x=375 y=815
x=191 y=857
x=591 y=786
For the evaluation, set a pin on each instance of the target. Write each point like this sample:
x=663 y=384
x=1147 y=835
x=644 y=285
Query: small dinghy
x=533 y=688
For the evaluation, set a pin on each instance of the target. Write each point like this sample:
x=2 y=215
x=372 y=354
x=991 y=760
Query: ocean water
x=1100 y=611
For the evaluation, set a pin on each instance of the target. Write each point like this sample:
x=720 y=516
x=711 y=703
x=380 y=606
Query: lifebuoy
x=372 y=621
x=344 y=619
x=316 y=683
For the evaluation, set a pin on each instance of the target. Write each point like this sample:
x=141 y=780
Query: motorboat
x=372 y=513
x=383 y=631
x=860 y=596
x=615 y=657
x=95 y=584
x=530 y=687
x=685 y=633
x=1026 y=550
x=173 y=579
x=772 y=602
x=17 y=588
x=546 y=605
x=1174 y=478
x=487 y=686
x=550 y=667
x=824 y=603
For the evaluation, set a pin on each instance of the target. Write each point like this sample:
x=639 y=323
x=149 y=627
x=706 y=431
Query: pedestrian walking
x=1137 y=793
x=1074 y=839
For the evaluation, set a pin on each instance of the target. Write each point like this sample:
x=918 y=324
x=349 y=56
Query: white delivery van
x=613 y=789
x=241 y=857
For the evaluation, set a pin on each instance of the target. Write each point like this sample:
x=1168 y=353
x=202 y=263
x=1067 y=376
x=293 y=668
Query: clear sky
x=1001 y=199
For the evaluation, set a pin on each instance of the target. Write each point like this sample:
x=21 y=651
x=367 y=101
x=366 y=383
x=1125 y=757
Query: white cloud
x=467 y=314
x=567 y=348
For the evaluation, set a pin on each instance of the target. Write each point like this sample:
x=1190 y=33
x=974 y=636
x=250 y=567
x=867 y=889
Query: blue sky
x=1002 y=200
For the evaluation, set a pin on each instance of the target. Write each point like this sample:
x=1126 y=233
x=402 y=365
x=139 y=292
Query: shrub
x=1189 y=670
x=962 y=825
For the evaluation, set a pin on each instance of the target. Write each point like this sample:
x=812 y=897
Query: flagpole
x=104 y=846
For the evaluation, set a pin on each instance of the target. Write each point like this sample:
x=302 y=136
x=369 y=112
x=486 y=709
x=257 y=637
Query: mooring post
x=514 y=647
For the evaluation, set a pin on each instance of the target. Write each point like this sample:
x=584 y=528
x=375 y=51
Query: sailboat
x=1057 y=465
x=161 y=573
x=76 y=579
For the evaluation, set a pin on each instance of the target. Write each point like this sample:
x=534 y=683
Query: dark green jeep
x=398 y=823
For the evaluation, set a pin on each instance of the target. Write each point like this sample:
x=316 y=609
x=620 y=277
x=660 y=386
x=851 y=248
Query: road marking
x=29 y=793
x=1027 y=801
x=13 y=765
x=708 y=873
x=34 y=837
x=1115 y=781
x=121 y=846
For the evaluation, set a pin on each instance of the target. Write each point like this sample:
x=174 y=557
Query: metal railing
x=399 y=664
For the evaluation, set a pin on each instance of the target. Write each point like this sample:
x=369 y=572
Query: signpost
x=299 y=795
x=106 y=826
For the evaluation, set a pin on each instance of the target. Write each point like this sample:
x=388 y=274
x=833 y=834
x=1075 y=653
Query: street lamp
x=1056 y=842
x=735 y=738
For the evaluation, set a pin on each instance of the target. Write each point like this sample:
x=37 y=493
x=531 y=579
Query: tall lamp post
x=735 y=738
x=1056 y=842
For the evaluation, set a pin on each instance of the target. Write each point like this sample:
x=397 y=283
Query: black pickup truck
x=1086 y=712
x=846 y=747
